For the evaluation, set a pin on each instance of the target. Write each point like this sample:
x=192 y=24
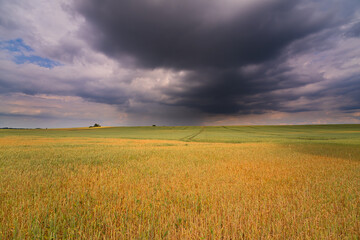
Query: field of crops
x=231 y=182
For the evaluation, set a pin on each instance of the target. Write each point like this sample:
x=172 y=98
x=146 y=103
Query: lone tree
x=96 y=125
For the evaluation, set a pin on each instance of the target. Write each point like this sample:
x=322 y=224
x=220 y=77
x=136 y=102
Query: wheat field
x=182 y=183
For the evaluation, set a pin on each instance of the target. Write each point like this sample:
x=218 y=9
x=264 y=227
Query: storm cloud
x=193 y=34
x=234 y=53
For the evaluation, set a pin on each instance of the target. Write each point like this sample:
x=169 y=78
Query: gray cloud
x=180 y=35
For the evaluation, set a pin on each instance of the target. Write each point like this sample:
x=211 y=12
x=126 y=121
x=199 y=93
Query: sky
x=73 y=63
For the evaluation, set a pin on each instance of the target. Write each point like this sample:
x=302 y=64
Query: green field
x=347 y=134
x=224 y=182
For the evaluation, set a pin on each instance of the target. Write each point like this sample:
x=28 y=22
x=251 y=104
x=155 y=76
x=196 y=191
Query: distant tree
x=154 y=125
x=95 y=125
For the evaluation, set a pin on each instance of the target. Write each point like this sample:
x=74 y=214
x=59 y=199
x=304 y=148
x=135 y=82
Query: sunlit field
x=233 y=182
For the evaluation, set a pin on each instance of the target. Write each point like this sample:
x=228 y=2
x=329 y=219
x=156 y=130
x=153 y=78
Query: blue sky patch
x=15 y=45
x=20 y=52
x=37 y=60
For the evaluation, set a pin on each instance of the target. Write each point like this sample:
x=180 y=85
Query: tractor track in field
x=192 y=136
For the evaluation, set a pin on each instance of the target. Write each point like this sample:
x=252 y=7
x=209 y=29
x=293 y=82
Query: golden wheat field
x=66 y=186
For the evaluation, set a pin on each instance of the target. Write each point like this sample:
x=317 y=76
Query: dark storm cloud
x=216 y=46
x=232 y=90
x=184 y=34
